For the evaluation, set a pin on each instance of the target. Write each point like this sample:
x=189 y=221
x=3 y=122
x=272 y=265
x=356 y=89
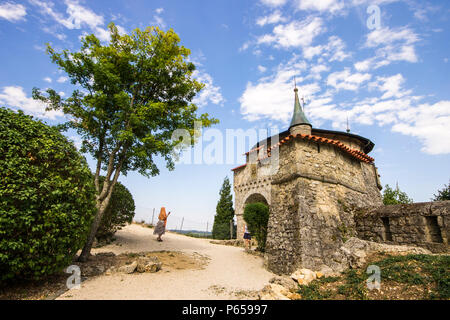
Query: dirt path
x=229 y=273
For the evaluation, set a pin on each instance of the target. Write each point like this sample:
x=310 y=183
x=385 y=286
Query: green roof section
x=299 y=116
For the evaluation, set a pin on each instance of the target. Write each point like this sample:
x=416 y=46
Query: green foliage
x=419 y=269
x=391 y=196
x=256 y=215
x=419 y=275
x=443 y=194
x=224 y=212
x=134 y=92
x=47 y=198
x=119 y=212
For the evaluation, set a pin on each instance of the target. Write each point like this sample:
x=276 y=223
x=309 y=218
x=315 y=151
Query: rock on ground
x=354 y=252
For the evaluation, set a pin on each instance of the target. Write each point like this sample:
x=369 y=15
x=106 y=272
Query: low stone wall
x=425 y=224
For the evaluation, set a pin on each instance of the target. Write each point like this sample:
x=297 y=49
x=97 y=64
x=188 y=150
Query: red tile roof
x=352 y=152
x=237 y=168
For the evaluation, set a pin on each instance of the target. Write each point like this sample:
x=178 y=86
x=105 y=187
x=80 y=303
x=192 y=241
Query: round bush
x=256 y=215
x=47 y=198
x=120 y=211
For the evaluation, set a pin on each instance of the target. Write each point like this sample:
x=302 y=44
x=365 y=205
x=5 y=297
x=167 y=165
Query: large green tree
x=443 y=194
x=395 y=196
x=132 y=94
x=224 y=212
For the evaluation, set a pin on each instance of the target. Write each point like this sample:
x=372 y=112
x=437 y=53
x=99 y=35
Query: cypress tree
x=224 y=212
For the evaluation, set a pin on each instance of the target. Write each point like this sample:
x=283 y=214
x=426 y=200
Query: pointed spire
x=299 y=116
x=348 y=128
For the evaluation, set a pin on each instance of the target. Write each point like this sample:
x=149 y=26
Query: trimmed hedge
x=256 y=215
x=47 y=198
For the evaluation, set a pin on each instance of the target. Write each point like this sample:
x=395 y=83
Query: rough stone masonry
x=315 y=183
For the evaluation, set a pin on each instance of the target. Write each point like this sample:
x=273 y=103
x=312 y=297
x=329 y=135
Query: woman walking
x=160 y=228
x=247 y=238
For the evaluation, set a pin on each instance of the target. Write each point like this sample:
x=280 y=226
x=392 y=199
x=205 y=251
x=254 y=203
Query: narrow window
x=318 y=148
x=434 y=232
x=387 y=229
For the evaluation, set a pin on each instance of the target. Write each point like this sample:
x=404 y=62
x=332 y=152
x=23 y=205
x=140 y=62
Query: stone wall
x=425 y=224
x=314 y=196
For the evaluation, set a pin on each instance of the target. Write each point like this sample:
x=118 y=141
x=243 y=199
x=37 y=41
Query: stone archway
x=252 y=197
x=256 y=197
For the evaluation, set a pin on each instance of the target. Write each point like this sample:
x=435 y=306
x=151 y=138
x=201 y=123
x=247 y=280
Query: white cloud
x=317 y=69
x=273 y=97
x=298 y=33
x=210 y=93
x=158 y=20
x=273 y=3
x=429 y=124
x=334 y=50
x=331 y=6
x=12 y=12
x=363 y=65
x=262 y=69
x=273 y=18
x=121 y=29
x=62 y=79
x=391 y=86
x=347 y=81
x=48 y=79
x=15 y=97
x=78 y=17
x=391 y=45
x=389 y=36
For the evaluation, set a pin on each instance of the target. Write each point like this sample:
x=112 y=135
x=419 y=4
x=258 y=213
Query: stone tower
x=323 y=178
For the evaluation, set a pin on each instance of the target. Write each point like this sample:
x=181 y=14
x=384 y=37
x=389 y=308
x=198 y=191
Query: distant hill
x=191 y=231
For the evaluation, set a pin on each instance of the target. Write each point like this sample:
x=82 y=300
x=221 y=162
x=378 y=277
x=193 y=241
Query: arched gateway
x=317 y=180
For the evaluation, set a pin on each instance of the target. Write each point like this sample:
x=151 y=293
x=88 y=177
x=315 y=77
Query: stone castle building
x=322 y=188
x=313 y=180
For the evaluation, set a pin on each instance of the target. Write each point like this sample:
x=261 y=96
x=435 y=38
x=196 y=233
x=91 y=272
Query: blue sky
x=390 y=79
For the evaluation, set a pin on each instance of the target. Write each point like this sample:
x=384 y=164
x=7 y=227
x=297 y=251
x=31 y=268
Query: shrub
x=119 y=212
x=47 y=198
x=221 y=231
x=391 y=196
x=256 y=215
x=443 y=194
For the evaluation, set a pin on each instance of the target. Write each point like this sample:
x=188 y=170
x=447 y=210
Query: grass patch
x=414 y=276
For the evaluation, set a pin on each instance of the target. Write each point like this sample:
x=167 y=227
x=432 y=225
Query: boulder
x=354 y=252
x=285 y=281
x=294 y=296
x=128 y=268
x=148 y=264
x=153 y=266
x=303 y=276
x=274 y=291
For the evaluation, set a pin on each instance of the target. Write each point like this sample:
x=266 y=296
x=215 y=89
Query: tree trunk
x=102 y=203
x=86 y=252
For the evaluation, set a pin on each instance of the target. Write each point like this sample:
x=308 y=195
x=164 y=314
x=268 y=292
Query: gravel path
x=229 y=274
